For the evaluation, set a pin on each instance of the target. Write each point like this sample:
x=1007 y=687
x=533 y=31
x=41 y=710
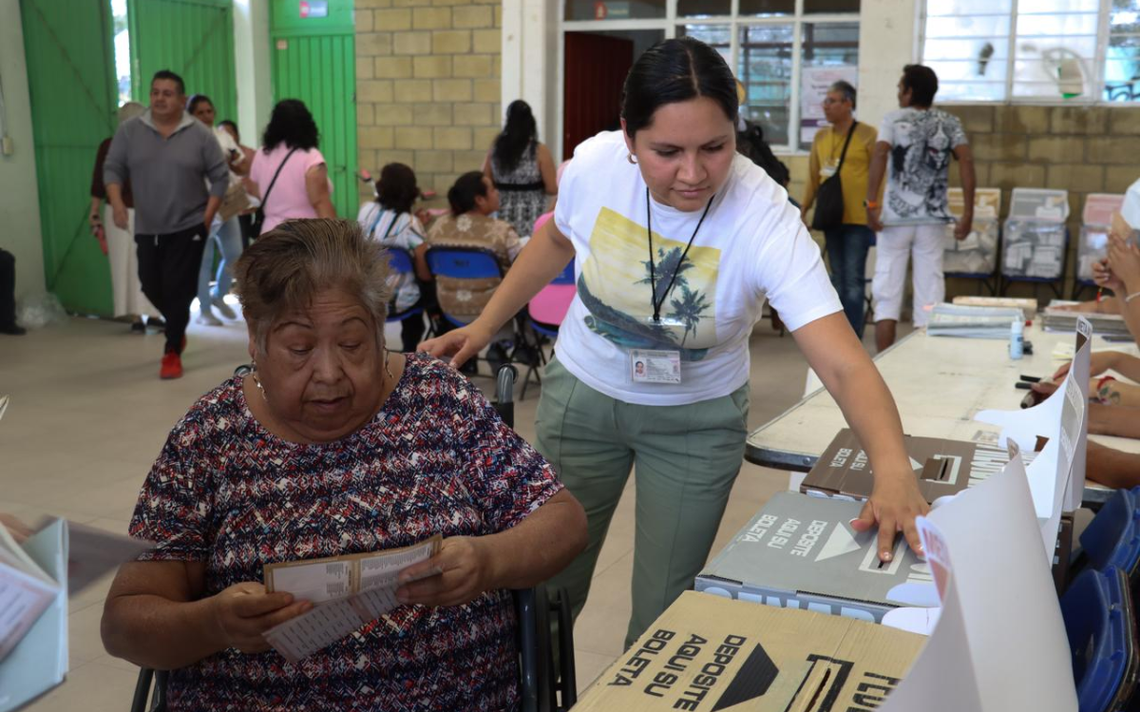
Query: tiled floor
x=88 y=415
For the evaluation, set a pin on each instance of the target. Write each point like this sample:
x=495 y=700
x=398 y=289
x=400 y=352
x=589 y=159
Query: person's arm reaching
x=1112 y=468
x=547 y=253
x=1117 y=420
x=835 y=353
x=521 y=557
x=317 y=188
x=969 y=182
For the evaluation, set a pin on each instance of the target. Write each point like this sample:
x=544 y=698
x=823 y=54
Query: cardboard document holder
x=801 y=552
x=709 y=653
x=943 y=467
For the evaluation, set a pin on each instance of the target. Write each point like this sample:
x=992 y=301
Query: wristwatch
x=870 y=205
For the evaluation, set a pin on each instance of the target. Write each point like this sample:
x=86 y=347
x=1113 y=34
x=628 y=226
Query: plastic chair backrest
x=1112 y=538
x=566 y=276
x=400 y=260
x=463 y=262
x=1097 y=609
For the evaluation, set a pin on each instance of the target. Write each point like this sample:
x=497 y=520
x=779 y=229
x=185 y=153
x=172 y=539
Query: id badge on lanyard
x=652 y=366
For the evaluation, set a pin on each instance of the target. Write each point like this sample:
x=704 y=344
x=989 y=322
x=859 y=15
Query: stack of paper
x=1110 y=326
x=347 y=592
x=33 y=614
x=972 y=322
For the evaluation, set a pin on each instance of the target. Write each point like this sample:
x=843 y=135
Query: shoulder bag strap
x=269 y=190
x=850 y=133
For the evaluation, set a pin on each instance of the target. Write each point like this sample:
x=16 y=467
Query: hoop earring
x=257 y=381
x=629 y=157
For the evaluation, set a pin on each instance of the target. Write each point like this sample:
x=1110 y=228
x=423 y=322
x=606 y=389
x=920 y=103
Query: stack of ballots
x=1035 y=234
x=1109 y=326
x=972 y=322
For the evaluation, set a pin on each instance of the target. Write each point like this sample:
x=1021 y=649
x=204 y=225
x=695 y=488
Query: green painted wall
x=192 y=38
x=314 y=60
x=73 y=98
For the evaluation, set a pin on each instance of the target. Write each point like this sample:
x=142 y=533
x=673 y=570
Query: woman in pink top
x=302 y=189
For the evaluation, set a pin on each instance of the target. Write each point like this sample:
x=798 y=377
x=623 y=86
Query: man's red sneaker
x=171 y=366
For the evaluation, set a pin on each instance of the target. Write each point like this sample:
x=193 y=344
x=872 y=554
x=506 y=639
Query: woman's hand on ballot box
x=894 y=504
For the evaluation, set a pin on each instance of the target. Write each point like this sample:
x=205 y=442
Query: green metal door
x=73 y=95
x=192 y=38
x=313 y=59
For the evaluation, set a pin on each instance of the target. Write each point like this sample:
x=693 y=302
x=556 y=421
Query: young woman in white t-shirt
x=724 y=238
x=389 y=220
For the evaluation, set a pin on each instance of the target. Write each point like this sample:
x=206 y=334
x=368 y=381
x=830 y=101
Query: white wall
x=251 y=55
x=888 y=32
x=19 y=196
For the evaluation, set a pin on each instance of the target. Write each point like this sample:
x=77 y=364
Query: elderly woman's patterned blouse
x=435 y=459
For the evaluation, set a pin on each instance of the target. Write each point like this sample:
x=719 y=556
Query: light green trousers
x=686 y=458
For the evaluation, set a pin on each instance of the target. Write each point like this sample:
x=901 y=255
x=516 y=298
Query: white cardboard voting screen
x=1057 y=474
x=999 y=643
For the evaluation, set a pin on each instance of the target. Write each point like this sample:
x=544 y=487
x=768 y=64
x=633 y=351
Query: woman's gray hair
x=285 y=269
x=844 y=88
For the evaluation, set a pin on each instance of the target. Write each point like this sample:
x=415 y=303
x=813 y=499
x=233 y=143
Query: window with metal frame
x=1034 y=51
x=782 y=51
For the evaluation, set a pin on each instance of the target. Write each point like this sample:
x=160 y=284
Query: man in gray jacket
x=168 y=155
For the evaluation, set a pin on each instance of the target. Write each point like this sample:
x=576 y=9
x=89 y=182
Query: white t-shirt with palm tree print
x=752 y=246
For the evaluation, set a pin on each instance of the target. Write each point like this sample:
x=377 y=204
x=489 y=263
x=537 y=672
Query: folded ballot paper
x=972 y=322
x=347 y=592
x=35 y=581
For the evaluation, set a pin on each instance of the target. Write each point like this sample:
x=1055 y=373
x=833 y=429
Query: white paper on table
x=372 y=595
x=999 y=643
x=1057 y=474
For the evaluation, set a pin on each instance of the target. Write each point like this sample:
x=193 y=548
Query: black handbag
x=829 y=197
x=258 y=221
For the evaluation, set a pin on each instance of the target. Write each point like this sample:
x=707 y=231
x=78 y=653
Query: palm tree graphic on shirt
x=692 y=304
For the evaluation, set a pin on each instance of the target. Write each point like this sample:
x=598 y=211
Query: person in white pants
x=118 y=244
x=919 y=142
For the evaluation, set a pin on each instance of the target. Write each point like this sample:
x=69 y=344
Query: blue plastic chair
x=1112 y=538
x=402 y=263
x=462 y=263
x=1101 y=627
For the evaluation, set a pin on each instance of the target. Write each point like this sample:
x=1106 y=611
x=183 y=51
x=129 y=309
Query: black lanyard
x=653 y=267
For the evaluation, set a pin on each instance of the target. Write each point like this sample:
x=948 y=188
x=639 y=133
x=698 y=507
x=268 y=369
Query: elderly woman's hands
x=467 y=566
x=1124 y=261
x=245 y=611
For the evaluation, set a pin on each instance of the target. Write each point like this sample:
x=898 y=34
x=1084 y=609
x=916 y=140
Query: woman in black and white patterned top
x=522 y=169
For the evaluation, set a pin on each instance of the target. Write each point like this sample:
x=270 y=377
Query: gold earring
x=629 y=157
x=257 y=381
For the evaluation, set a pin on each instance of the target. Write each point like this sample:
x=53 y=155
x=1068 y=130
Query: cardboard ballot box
x=801 y=552
x=709 y=653
x=944 y=467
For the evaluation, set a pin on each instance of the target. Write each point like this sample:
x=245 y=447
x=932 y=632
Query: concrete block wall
x=428 y=85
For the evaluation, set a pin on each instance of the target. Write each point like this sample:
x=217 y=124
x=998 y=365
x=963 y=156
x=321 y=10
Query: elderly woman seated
x=333 y=445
